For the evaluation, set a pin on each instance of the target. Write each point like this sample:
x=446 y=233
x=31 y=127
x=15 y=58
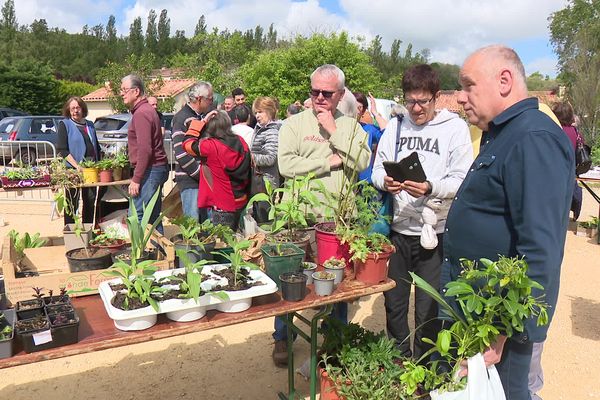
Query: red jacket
x=225 y=171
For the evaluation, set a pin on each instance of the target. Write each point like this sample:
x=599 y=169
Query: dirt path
x=235 y=362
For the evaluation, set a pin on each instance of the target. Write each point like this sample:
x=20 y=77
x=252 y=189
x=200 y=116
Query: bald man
x=521 y=182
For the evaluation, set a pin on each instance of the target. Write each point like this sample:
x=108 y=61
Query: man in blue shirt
x=515 y=199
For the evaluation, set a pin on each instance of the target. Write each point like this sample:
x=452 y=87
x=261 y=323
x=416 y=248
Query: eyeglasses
x=411 y=103
x=126 y=90
x=326 y=93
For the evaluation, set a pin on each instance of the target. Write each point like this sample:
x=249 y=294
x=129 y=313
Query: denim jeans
x=153 y=180
x=340 y=311
x=189 y=202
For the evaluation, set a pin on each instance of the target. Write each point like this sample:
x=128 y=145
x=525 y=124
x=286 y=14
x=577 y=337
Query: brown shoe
x=280 y=354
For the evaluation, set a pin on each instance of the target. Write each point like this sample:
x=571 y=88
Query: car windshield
x=109 y=124
x=7 y=125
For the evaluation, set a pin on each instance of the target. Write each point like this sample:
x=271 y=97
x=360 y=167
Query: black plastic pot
x=193 y=252
x=59 y=308
x=146 y=255
x=54 y=300
x=293 y=286
x=88 y=264
x=29 y=312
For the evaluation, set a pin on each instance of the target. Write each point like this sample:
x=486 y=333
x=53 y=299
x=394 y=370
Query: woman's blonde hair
x=266 y=104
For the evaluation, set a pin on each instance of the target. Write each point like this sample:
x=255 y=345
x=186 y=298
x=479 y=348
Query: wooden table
x=97 y=331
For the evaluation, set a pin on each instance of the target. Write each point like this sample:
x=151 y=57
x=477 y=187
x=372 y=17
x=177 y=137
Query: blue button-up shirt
x=515 y=201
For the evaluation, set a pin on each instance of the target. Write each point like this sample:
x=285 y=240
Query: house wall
x=98 y=109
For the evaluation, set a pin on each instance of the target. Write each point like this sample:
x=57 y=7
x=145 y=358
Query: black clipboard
x=407 y=169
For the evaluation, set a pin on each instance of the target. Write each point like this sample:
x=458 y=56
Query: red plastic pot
x=106 y=175
x=329 y=245
x=375 y=269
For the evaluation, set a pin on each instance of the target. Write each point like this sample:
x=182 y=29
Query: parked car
x=112 y=132
x=10 y=112
x=28 y=128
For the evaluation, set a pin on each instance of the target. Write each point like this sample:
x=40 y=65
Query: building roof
x=448 y=99
x=170 y=88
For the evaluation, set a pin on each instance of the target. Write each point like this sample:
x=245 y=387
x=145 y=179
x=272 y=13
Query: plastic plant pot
x=323 y=282
x=293 y=286
x=329 y=245
x=101 y=261
x=281 y=258
x=6 y=345
x=27 y=309
x=308 y=268
x=374 y=269
x=336 y=267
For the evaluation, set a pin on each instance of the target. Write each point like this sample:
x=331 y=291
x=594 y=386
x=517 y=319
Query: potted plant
x=110 y=239
x=588 y=228
x=280 y=258
x=26 y=328
x=24 y=177
x=62 y=298
x=27 y=241
x=120 y=164
x=106 y=172
x=335 y=266
x=139 y=232
x=196 y=239
x=323 y=282
x=7 y=327
x=27 y=309
x=308 y=268
x=293 y=286
x=491 y=297
x=291 y=209
x=90 y=171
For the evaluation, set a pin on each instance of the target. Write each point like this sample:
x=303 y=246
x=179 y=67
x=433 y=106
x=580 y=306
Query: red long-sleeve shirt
x=144 y=140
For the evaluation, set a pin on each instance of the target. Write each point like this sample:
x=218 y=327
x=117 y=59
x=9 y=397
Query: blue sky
x=450 y=29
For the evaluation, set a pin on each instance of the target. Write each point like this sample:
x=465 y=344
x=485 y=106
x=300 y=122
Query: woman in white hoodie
x=442 y=142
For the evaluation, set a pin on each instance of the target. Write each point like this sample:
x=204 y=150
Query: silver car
x=112 y=133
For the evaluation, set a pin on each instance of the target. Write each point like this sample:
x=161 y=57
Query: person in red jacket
x=225 y=167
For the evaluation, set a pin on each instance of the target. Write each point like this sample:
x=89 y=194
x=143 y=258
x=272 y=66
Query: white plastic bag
x=483 y=383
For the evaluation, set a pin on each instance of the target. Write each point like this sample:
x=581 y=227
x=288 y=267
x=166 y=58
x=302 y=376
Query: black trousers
x=410 y=256
x=88 y=198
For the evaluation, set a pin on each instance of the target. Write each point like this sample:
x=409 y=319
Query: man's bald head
x=492 y=80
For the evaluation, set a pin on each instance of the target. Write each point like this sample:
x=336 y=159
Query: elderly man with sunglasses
x=324 y=141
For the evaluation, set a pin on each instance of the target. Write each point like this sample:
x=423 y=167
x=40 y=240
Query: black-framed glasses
x=411 y=102
x=326 y=93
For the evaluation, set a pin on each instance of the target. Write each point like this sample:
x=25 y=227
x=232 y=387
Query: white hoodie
x=445 y=151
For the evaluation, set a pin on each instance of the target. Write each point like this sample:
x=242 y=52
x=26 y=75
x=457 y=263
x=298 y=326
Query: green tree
x=139 y=65
x=200 y=26
x=537 y=81
x=285 y=73
x=8 y=30
x=67 y=89
x=111 y=30
x=448 y=75
x=29 y=86
x=574 y=33
x=136 y=37
x=151 y=33
x=164 y=34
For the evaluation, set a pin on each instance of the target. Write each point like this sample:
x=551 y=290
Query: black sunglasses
x=326 y=93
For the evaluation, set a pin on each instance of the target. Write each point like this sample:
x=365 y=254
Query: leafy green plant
x=190 y=286
x=291 y=206
x=120 y=159
x=139 y=233
x=88 y=164
x=26 y=241
x=355 y=231
x=236 y=260
x=593 y=223
x=493 y=298
x=25 y=172
x=5 y=328
x=138 y=279
x=105 y=164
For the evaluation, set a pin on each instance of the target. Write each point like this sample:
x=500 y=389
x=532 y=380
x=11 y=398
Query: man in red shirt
x=145 y=145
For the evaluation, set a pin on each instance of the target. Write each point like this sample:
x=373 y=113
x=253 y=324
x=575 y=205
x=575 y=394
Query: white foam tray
x=175 y=309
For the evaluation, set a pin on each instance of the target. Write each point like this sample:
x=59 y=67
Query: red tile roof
x=170 y=88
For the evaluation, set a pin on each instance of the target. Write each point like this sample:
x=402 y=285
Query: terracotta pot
x=328 y=391
x=375 y=269
x=329 y=245
x=106 y=175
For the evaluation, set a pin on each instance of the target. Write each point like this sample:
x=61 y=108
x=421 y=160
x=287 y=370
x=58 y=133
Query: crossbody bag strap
x=400 y=117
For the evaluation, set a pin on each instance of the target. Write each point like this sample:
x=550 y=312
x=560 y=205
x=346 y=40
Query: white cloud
x=545 y=66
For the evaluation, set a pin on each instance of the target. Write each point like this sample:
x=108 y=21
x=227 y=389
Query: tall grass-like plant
x=139 y=234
